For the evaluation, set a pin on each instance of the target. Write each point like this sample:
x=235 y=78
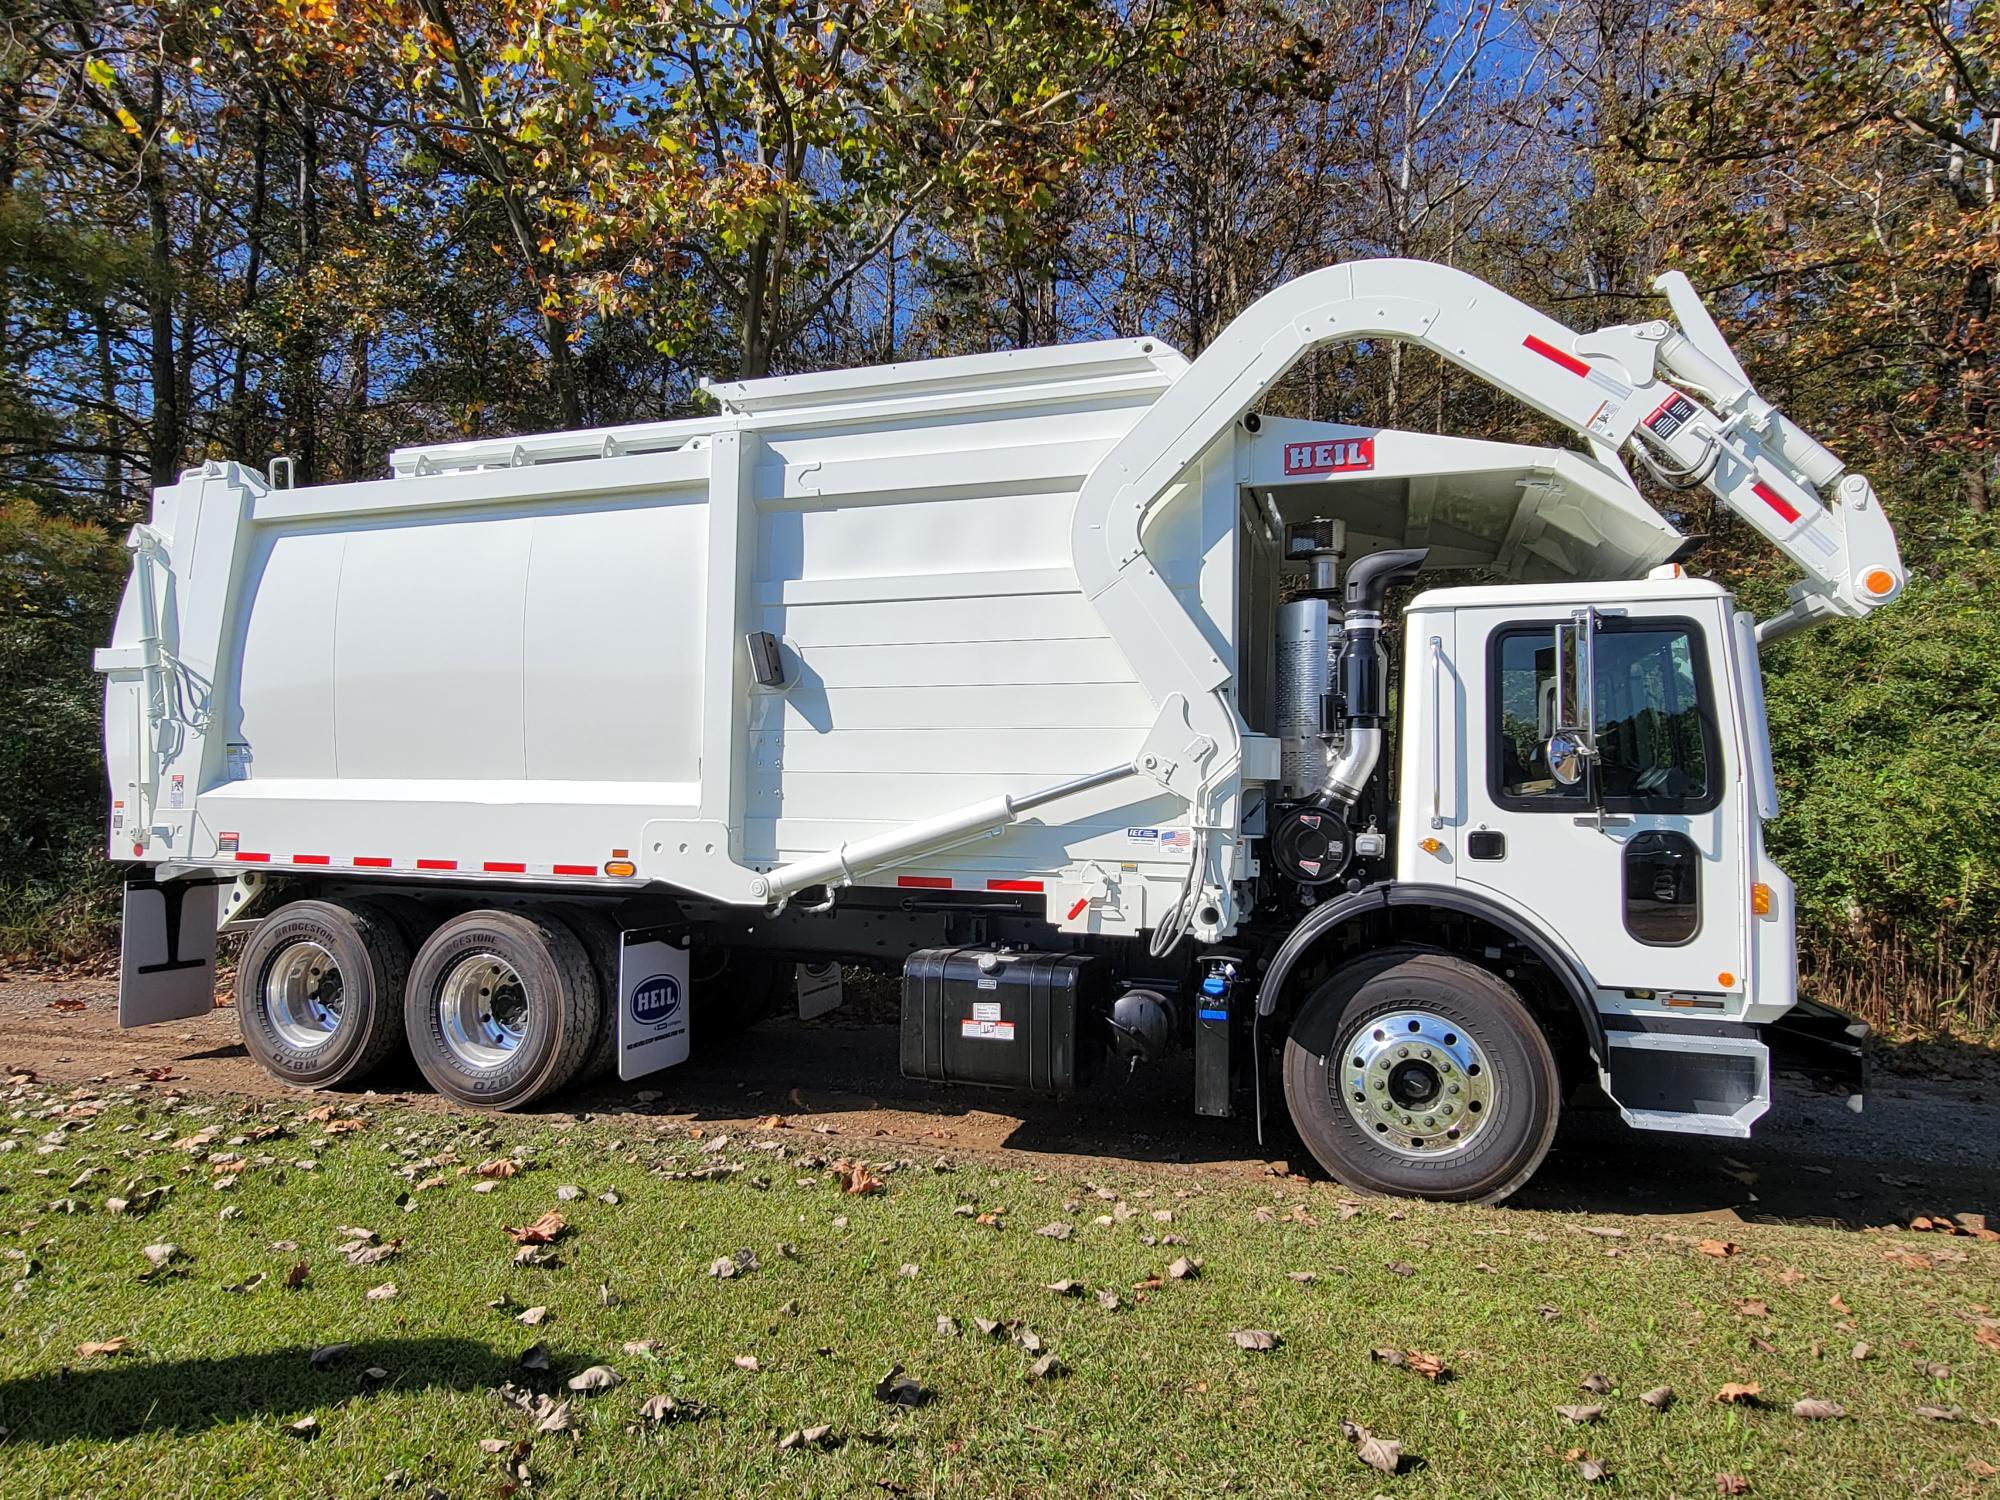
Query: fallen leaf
x=1720 y=1249
x=296 y=1277
x=1731 y=1484
x=899 y=1389
x=1593 y=1470
x=856 y=1178
x=546 y=1230
x=1979 y=1468
x=596 y=1378
x=1839 y=1306
x=341 y=1127
x=1048 y=1367
x=535 y=1255
x=326 y=1354
x=535 y=1356
x=1185 y=1269
x=532 y=1316
x=1108 y=1301
x=1580 y=1413
x=305 y=1428
x=1861 y=1350
x=1381 y=1453
x=1056 y=1231
x=664 y=1408
x=1660 y=1397
x=747 y=1362
x=1256 y=1339
x=1940 y=1413
x=96 y=1347
x=1814 y=1409
x=1430 y=1366
x=1752 y=1307
x=1401 y=1268
x=1987 y=1334
x=947 y=1326
x=498 y=1167
x=1739 y=1395
x=1595 y=1385
x=1067 y=1288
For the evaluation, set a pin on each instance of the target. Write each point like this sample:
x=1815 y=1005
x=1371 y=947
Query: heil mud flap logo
x=656 y=1001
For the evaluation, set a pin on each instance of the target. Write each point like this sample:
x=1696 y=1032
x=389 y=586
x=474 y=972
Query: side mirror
x=1576 y=683
x=1565 y=757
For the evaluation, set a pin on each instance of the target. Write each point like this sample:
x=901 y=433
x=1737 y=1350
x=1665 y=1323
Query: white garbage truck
x=1060 y=681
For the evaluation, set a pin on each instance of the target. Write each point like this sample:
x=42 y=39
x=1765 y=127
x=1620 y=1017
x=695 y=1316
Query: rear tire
x=1415 y=1074
x=502 y=1008
x=319 y=992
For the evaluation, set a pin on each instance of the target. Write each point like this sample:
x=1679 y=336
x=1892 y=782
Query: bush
x=1887 y=738
x=59 y=587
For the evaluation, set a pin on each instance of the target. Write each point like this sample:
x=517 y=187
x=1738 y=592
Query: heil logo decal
x=656 y=1000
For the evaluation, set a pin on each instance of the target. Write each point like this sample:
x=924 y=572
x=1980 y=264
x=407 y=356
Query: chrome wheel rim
x=304 y=994
x=1417 y=1083
x=483 y=1010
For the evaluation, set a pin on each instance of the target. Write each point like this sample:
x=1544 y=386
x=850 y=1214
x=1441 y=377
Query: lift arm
x=1705 y=427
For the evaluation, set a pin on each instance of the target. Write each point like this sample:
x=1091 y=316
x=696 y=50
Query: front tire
x=1411 y=1073
x=319 y=993
x=502 y=1008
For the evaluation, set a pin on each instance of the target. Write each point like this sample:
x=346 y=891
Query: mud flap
x=652 y=1006
x=166 y=952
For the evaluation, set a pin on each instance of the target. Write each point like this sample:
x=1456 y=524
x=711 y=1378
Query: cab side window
x=1656 y=735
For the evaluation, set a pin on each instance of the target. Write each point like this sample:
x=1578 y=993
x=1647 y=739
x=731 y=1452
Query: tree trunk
x=163 y=369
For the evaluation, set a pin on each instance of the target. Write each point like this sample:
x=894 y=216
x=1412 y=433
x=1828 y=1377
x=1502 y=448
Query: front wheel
x=1416 y=1074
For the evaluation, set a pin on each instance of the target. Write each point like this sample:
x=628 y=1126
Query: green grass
x=1159 y=1402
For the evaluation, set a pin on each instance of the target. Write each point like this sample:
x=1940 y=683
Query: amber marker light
x=1760 y=899
x=622 y=868
x=1430 y=846
x=1879 y=582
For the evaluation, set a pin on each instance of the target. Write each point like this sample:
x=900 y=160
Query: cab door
x=1635 y=863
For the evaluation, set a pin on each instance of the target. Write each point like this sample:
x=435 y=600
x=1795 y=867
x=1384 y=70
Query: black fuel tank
x=1009 y=1019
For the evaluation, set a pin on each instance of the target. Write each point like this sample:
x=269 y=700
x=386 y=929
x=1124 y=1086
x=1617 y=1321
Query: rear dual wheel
x=319 y=992
x=502 y=1008
x=1416 y=1074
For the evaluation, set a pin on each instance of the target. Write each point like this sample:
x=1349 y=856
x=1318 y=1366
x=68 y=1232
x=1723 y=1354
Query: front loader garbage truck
x=1063 y=681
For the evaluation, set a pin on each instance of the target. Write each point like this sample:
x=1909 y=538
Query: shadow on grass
x=119 y=1396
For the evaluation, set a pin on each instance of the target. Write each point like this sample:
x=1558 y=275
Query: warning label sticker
x=1671 y=415
x=988 y=1031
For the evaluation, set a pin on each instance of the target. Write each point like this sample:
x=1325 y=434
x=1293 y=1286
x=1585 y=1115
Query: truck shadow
x=1916 y=1151
x=126 y=1395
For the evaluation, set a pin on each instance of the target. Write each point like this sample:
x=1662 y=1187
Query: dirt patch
x=1924 y=1146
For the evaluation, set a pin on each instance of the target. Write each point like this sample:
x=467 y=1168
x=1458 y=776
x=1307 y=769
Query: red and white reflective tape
x=970 y=883
x=1787 y=512
x=1562 y=357
x=425 y=866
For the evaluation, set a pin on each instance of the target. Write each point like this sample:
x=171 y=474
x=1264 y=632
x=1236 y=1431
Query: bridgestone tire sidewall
x=564 y=1008
x=372 y=959
x=1526 y=1085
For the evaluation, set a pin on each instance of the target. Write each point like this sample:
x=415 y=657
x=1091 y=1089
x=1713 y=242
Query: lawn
x=255 y=1360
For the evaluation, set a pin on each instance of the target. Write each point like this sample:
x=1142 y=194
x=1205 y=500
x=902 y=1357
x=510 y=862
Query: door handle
x=1601 y=820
